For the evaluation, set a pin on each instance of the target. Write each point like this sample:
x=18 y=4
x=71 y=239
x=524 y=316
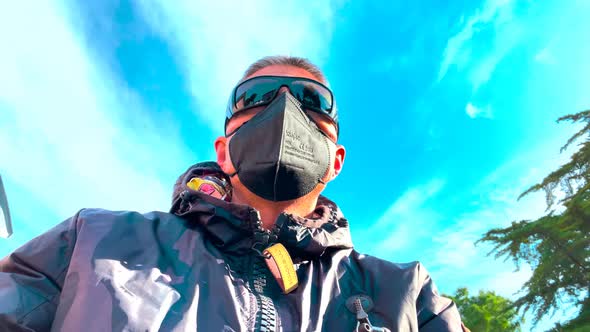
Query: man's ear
x=221 y=152
x=338 y=161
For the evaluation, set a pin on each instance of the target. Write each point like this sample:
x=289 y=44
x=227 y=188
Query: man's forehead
x=285 y=70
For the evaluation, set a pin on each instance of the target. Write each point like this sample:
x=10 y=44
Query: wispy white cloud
x=406 y=219
x=217 y=40
x=61 y=136
x=421 y=229
x=478 y=112
x=439 y=225
x=545 y=56
x=485 y=38
x=409 y=201
x=495 y=204
x=455 y=258
x=455 y=261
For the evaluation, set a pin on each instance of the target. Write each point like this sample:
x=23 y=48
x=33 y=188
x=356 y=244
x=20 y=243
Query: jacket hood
x=236 y=228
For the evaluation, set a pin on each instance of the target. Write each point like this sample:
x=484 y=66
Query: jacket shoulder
x=434 y=312
x=101 y=223
x=413 y=272
x=95 y=215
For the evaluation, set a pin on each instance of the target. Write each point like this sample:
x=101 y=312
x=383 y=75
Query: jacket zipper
x=266 y=315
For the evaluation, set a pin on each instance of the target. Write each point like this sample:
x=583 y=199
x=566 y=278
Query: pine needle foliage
x=557 y=245
x=486 y=311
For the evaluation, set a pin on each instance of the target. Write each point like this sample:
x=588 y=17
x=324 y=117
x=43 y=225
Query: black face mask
x=280 y=154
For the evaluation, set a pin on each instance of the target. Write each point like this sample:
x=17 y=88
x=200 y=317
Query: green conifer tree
x=557 y=245
x=486 y=311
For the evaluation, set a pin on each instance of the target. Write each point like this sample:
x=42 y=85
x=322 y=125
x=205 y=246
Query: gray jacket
x=199 y=269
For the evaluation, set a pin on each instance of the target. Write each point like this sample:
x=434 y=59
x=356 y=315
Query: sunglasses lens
x=312 y=96
x=256 y=92
x=261 y=91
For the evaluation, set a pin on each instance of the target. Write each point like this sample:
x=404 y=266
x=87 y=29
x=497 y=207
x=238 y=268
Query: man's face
x=323 y=122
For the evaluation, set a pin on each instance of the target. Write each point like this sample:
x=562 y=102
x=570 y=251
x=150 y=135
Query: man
x=276 y=256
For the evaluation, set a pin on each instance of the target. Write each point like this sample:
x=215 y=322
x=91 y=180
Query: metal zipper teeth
x=266 y=314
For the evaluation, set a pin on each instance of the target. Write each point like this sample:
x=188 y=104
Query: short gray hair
x=285 y=60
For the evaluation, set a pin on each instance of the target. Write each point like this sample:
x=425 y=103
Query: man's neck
x=269 y=210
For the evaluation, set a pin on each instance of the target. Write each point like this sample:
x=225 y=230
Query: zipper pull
x=261 y=236
x=275 y=255
x=360 y=305
x=280 y=264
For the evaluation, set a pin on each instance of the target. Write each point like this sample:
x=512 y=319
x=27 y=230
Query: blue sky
x=447 y=112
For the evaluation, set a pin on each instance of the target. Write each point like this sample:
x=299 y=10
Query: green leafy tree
x=486 y=311
x=557 y=245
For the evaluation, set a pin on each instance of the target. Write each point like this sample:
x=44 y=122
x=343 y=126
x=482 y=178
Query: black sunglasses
x=261 y=91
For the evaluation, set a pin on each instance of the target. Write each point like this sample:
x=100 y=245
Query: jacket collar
x=235 y=228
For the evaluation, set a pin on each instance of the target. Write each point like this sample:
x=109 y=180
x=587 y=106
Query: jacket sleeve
x=31 y=279
x=436 y=313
